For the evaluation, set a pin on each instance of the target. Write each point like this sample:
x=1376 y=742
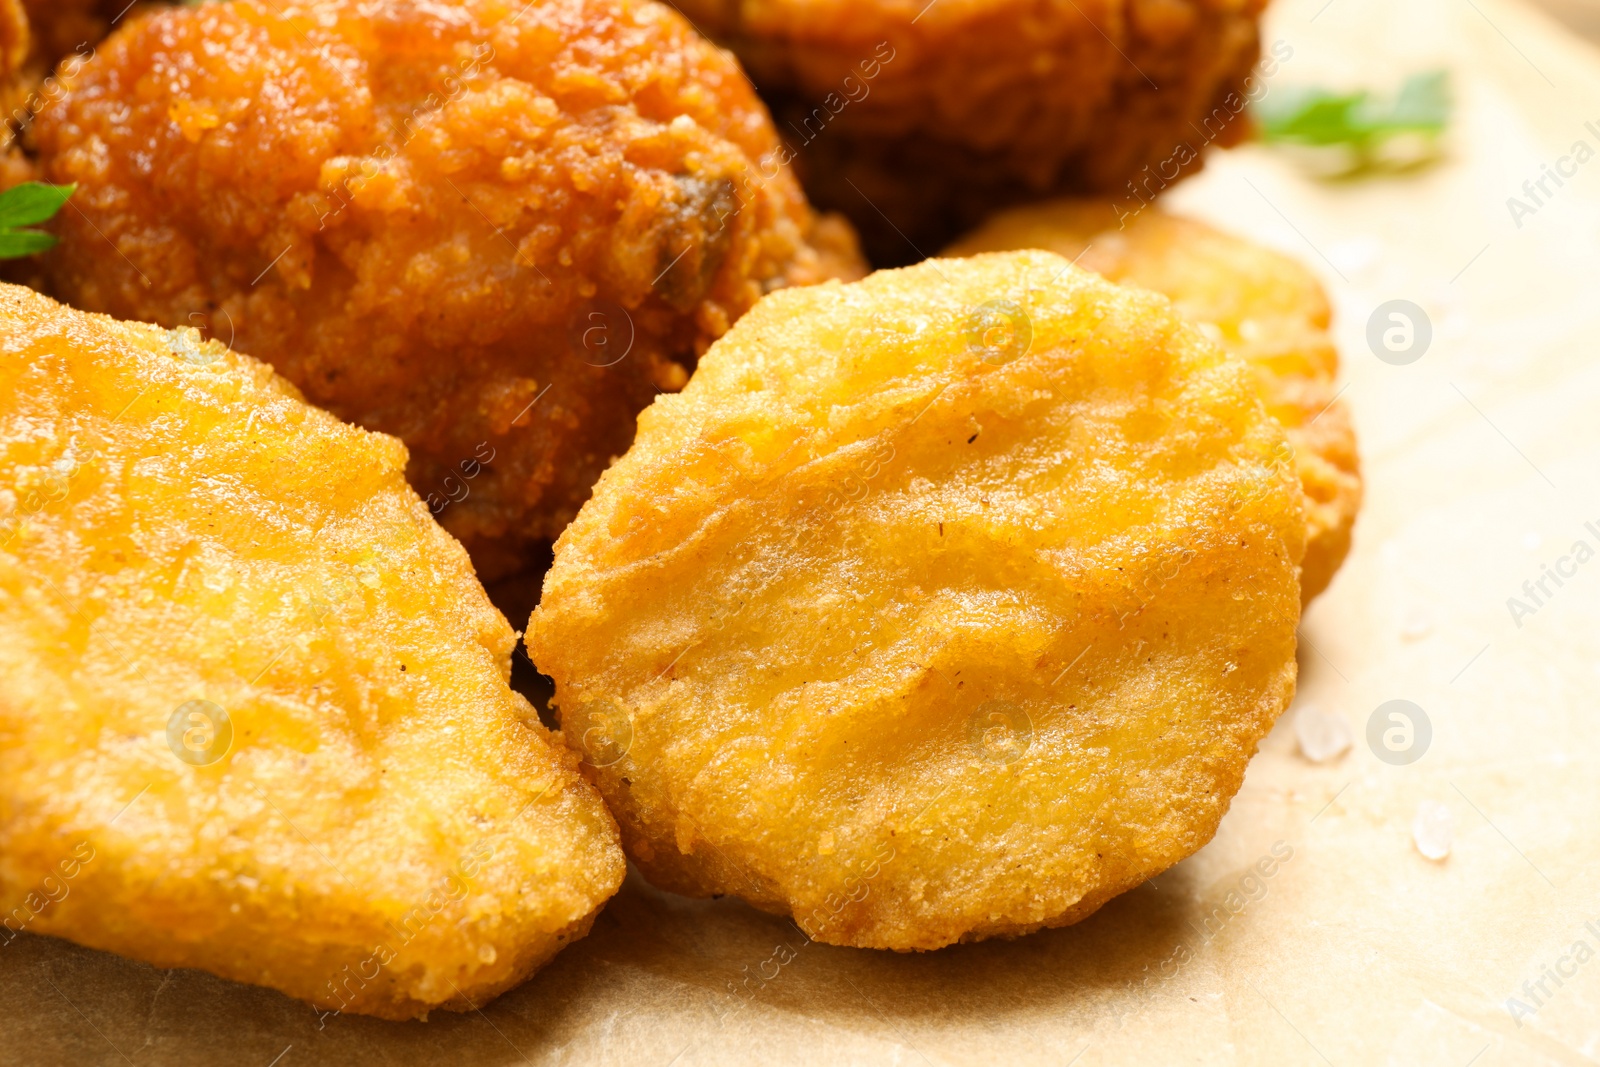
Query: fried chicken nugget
x=255 y=716
x=1258 y=304
x=942 y=605
x=492 y=228
x=918 y=119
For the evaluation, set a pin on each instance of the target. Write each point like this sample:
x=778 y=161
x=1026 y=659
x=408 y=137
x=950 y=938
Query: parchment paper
x=1483 y=465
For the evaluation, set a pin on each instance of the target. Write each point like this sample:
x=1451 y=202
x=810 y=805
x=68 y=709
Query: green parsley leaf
x=23 y=205
x=1361 y=122
x=31 y=202
x=15 y=244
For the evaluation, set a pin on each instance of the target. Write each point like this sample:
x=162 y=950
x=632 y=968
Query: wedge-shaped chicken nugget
x=253 y=705
x=942 y=605
x=1254 y=302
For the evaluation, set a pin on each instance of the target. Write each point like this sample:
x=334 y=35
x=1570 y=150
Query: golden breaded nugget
x=918 y=118
x=493 y=228
x=255 y=716
x=943 y=605
x=1255 y=303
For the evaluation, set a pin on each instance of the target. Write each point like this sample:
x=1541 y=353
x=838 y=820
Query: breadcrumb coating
x=918 y=119
x=256 y=717
x=1256 y=303
x=943 y=605
x=494 y=229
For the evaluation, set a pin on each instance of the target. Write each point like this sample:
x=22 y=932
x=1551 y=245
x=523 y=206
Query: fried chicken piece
x=943 y=605
x=255 y=716
x=493 y=229
x=35 y=35
x=1256 y=303
x=918 y=119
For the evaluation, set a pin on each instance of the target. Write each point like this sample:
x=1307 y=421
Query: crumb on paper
x=1417 y=625
x=1322 y=736
x=1433 y=830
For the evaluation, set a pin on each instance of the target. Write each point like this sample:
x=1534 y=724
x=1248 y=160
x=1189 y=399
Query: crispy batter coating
x=37 y=34
x=491 y=228
x=255 y=716
x=943 y=605
x=935 y=114
x=1256 y=303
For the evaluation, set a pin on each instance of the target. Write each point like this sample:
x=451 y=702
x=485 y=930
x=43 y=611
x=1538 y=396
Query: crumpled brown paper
x=1311 y=930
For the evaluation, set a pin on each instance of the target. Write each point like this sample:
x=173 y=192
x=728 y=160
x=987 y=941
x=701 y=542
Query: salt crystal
x=1322 y=736
x=1418 y=624
x=1433 y=829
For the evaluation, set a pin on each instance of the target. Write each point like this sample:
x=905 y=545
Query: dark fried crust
x=493 y=230
x=916 y=120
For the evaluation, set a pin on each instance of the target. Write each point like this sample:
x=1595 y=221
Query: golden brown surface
x=493 y=229
x=14 y=80
x=1255 y=303
x=922 y=626
x=389 y=830
x=36 y=35
x=936 y=114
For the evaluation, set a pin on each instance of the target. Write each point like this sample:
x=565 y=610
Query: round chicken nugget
x=943 y=605
x=495 y=229
x=254 y=715
x=1255 y=303
x=918 y=119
